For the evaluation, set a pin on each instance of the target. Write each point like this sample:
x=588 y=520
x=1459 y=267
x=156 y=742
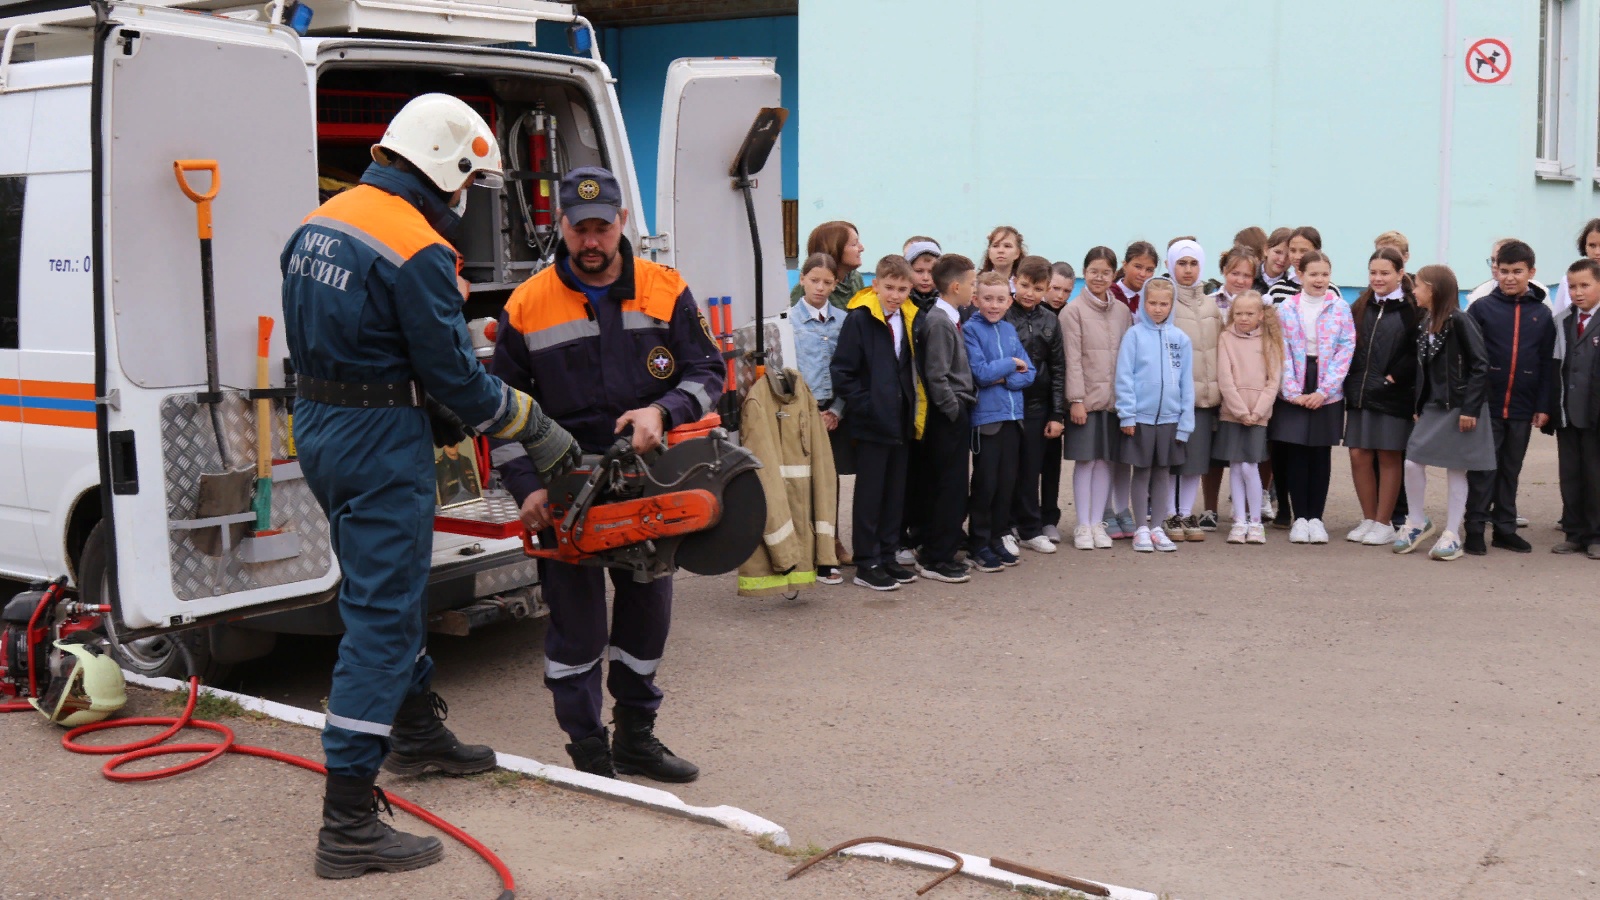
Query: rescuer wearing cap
x=604 y=341
x=372 y=309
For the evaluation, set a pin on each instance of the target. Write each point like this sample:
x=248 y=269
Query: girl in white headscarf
x=1196 y=315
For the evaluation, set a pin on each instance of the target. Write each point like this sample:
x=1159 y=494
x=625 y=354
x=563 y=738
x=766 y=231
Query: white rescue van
x=104 y=439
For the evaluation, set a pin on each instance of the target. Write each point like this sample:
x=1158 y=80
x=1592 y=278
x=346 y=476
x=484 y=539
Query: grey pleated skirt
x=1237 y=442
x=1437 y=440
x=1097 y=438
x=1294 y=424
x=1368 y=430
x=1198 y=450
x=1150 y=446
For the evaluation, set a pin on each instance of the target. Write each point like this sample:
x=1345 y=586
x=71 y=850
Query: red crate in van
x=362 y=116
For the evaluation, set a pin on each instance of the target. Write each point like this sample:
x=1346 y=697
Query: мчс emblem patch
x=588 y=189
x=660 y=362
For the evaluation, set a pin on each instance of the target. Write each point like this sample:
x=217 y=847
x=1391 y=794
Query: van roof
x=56 y=28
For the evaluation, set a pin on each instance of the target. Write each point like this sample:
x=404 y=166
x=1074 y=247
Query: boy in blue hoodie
x=1519 y=335
x=1001 y=370
x=1155 y=406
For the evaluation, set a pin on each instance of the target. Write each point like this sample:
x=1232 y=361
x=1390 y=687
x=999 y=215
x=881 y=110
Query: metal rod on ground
x=1066 y=881
x=893 y=843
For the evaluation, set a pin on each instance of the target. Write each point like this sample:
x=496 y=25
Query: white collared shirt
x=944 y=306
x=823 y=313
x=897 y=327
x=1396 y=294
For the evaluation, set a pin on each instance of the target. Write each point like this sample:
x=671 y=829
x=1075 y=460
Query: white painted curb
x=729 y=817
x=978 y=867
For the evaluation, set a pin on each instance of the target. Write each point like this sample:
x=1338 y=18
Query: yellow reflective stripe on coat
x=750 y=585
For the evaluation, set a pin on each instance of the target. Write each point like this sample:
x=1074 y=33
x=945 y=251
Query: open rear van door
x=175 y=86
x=707 y=110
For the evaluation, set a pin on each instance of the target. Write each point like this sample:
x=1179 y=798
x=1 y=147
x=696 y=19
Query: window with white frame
x=1555 y=154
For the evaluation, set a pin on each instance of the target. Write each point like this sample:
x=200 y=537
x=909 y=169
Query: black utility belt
x=360 y=396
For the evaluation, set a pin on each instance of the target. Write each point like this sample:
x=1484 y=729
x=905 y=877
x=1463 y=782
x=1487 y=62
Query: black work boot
x=420 y=741
x=593 y=755
x=353 y=840
x=637 y=752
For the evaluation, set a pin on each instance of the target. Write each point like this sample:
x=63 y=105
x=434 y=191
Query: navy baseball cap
x=590 y=192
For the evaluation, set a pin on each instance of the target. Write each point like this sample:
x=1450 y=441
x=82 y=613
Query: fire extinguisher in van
x=536 y=162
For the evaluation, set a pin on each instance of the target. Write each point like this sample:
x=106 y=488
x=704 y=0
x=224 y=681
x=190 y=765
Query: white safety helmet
x=91 y=688
x=446 y=140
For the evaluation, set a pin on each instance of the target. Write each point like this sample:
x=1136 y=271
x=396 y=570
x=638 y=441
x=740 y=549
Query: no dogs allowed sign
x=1488 y=60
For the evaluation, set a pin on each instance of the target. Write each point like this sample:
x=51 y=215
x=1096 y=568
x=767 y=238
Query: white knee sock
x=1246 y=484
x=1457 y=508
x=1416 y=494
x=1083 y=491
x=1188 y=490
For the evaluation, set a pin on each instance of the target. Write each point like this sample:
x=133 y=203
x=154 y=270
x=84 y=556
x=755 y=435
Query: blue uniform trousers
x=372 y=472
x=576 y=641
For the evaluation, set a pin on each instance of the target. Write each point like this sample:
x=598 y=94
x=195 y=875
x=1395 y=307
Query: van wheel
x=152 y=657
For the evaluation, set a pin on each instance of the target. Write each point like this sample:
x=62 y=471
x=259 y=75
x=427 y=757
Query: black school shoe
x=899 y=573
x=1511 y=541
x=1474 y=543
x=876 y=578
x=947 y=572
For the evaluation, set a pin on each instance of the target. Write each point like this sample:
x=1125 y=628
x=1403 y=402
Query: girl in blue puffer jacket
x=1155 y=405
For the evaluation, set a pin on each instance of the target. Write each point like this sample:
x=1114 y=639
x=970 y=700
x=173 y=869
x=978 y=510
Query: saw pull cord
x=154 y=746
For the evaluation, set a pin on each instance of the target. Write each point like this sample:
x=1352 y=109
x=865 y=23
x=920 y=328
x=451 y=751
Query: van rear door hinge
x=656 y=243
x=112 y=399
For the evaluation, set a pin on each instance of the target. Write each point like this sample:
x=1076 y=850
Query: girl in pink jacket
x=1249 y=370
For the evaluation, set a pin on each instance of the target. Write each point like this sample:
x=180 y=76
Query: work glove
x=551 y=448
x=448 y=429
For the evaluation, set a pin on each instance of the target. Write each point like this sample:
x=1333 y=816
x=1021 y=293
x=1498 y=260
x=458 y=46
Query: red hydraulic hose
x=149 y=747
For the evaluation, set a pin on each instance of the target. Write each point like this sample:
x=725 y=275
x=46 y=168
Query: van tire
x=156 y=657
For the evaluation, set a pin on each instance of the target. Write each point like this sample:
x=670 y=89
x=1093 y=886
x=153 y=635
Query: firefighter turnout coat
x=781 y=425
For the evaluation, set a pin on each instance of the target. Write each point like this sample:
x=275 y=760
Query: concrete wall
x=1103 y=123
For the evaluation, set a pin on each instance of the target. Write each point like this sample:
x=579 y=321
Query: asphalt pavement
x=1221 y=722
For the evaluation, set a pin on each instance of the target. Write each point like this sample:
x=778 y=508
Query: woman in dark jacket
x=1378 y=394
x=1452 y=411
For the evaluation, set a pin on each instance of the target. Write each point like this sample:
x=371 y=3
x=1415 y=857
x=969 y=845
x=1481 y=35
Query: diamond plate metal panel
x=743 y=341
x=505 y=578
x=189 y=449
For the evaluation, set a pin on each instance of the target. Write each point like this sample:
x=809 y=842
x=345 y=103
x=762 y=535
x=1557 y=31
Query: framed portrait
x=456 y=475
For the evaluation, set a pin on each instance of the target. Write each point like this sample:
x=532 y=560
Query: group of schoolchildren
x=1155 y=385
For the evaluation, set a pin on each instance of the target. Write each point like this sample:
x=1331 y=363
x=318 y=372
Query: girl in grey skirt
x=1249 y=369
x=1380 y=393
x=1155 y=407
x=1092 y=326
x=1452 y=423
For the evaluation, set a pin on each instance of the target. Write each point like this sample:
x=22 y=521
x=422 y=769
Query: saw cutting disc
x=726 y=545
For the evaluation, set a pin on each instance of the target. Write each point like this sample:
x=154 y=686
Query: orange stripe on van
x=10 y=414
x=66 y=390
x=63 y=418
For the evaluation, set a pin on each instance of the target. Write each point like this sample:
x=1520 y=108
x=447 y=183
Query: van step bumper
x=525 y=603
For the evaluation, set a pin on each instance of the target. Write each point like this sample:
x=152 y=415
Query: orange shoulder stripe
x=381 y=220
x=544 y=302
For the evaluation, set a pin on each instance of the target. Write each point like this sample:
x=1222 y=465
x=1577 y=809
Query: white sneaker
x=1522 y=521
x=1141 y=540
x=1256 y=534
x=1162 y=542
x=1039 y=544
x=1009 y=541
x=1315 y=532
x=1102 y=539
x=1360 y=532
x=1300 y=532
x=1269 y=509
x=1053 y=533
x=1083 y=537
x=904 y=557
x=1238 y=532
x=1381 y=535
